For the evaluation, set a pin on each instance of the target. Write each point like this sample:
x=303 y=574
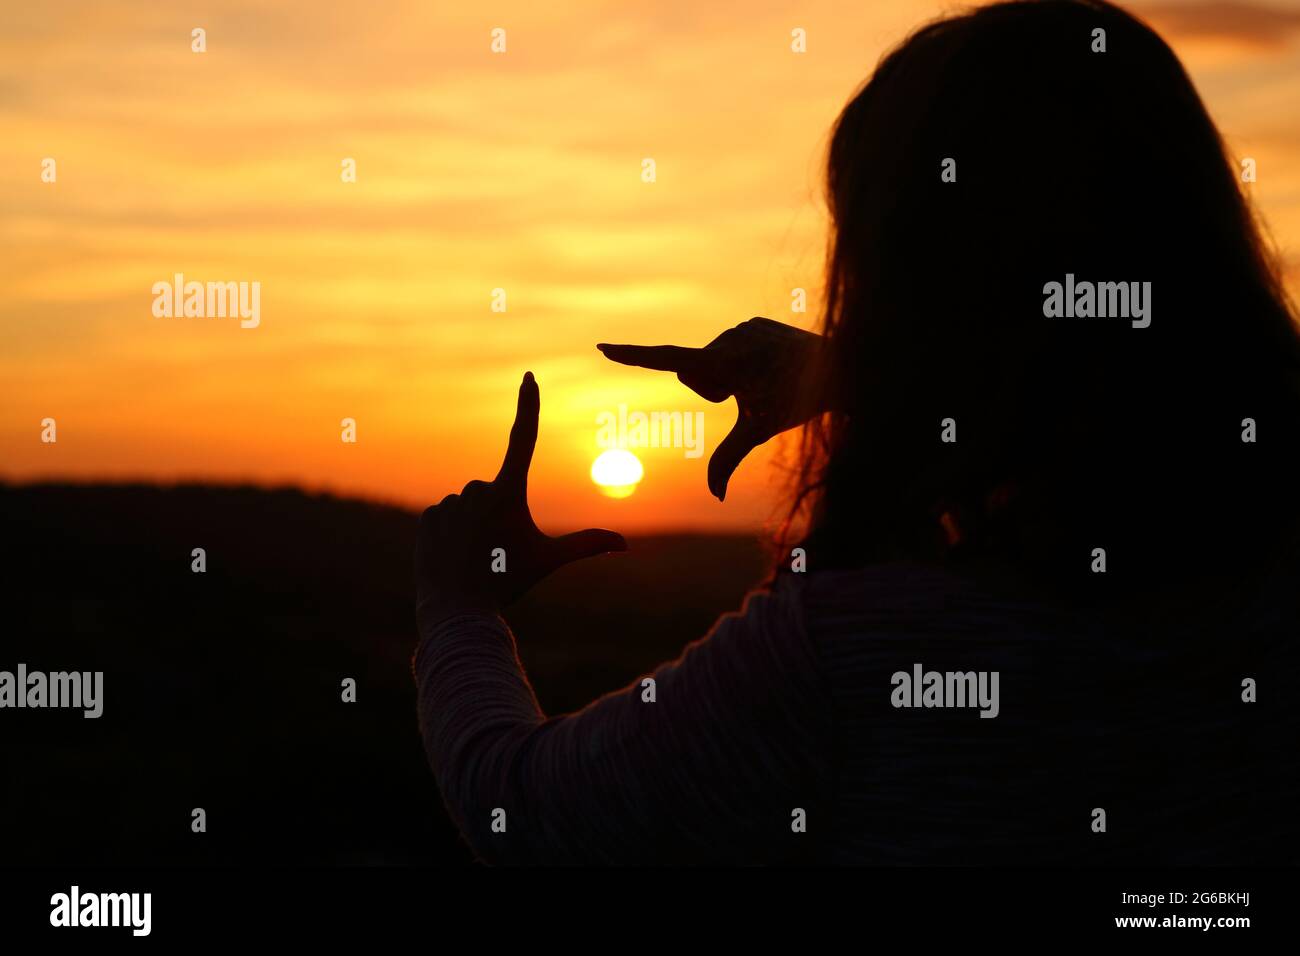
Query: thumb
x=740 y=441
x=568 y=548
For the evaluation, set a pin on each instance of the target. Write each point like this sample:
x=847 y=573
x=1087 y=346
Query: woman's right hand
x=761 y=362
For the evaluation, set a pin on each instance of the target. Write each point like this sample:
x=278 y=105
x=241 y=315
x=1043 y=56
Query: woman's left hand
x=458 y=567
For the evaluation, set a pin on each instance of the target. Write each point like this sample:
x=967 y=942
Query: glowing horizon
x=474 y=172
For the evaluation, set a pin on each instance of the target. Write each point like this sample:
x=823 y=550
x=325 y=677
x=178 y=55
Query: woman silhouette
x=1046 y=479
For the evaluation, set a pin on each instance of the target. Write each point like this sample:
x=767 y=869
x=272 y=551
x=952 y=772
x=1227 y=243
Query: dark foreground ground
x=222 y=690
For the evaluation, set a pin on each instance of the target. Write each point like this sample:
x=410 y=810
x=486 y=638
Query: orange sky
x=475 y=171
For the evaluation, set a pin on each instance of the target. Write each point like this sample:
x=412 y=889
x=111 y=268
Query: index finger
x=523 y=435
x=664 y=358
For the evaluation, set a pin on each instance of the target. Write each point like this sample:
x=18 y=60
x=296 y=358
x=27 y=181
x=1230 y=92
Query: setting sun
x=617 y=472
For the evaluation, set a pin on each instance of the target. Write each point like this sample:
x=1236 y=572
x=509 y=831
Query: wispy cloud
x=1252 y=24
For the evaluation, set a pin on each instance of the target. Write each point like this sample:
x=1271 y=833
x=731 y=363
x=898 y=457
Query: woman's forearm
x=705 y=762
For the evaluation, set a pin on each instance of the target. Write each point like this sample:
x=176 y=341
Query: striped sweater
x=780 y=737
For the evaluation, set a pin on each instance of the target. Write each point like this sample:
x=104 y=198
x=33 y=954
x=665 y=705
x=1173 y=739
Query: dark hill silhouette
x=222 y=689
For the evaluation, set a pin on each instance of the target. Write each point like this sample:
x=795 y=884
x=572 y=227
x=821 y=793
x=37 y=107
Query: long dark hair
x=1071 y=433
